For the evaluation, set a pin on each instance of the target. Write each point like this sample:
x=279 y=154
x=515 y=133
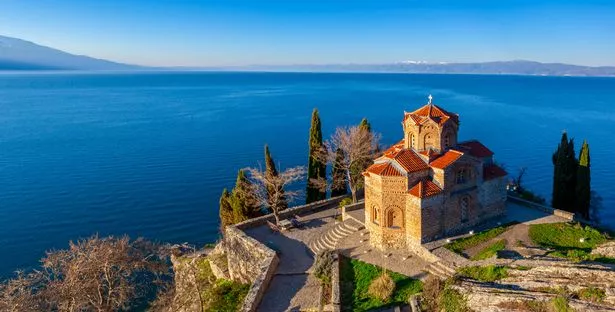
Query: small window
x=447 y=140
x=394 y=218
x=465 y=202
x=375 y=216
x=462 y=176
x=412 y=139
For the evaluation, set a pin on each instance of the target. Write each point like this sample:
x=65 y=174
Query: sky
x=286 y=32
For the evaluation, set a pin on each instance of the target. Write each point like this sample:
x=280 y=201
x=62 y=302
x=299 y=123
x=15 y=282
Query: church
x=429 y=185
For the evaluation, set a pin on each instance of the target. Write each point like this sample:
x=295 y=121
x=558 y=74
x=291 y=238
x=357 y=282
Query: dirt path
x=518 y=243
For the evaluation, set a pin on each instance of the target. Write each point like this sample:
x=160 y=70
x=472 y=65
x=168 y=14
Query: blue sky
x=243 y=32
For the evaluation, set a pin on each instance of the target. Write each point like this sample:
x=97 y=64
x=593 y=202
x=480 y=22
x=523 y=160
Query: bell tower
x=430 y=128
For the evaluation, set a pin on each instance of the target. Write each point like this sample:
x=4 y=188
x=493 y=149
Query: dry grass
x=382 y=287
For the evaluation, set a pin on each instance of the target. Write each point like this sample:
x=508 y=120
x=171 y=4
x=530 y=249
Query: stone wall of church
x=387 y=196
x=492 y=194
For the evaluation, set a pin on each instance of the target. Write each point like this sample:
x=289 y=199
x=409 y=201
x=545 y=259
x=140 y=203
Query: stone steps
x=329 y=240
x=440 y=270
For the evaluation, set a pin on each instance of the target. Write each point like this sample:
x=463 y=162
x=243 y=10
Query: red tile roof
x=425 y=188
x=410 y=161
x=384 y=169
x=433 y=112
x=476 y=149
x=493 y=171
x=446 y=160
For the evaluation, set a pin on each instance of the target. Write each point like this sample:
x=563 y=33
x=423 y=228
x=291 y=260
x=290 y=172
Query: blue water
x=148 y=153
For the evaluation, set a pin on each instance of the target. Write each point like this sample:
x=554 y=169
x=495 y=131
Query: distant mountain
x=17 y=54
x=503 y=67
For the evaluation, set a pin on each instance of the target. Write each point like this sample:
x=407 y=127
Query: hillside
x=17 y=54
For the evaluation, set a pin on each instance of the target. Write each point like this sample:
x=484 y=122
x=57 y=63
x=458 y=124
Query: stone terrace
x=293 y=288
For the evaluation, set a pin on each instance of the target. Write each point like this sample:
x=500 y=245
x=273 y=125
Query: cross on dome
x=430 y=98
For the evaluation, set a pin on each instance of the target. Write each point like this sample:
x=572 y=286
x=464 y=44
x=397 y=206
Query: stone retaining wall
x=336 y=297
x=290 y=212
x=260 y=284
x=352 y=207
x=556 y=212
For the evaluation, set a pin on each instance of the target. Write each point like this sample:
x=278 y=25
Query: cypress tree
x=316 y=167
x=558 y=161
x=583 y=187
x=366 y=125
x=270 y=170
x=360 y=167
x=243 y=200
x=340 y=186
x=569 y=174
x=564 y=175
x=226 y=211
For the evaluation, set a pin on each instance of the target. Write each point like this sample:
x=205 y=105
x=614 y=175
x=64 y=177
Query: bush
x=382 y=287
x=323 y=265
x=453 y=301
x=488 y=273
x=432 y=288
x=346 y=201
x=593 y=294
x=560 y=304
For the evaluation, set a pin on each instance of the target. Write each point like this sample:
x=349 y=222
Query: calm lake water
x=148 y=154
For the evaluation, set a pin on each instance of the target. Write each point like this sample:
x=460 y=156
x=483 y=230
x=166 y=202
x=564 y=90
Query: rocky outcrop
x=187 y=296
x=543 y=283
x=606 y=250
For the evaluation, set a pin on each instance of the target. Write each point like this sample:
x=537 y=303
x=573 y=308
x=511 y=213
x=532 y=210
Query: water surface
x=148 y=154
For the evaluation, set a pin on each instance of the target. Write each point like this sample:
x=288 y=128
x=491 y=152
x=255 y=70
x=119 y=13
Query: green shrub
x=323 y=265
x=488 y=273
x=560 y=304
x=345 y=202
x=453 y=301
x=490 y=251
x=462 y=244
x=593 y=294
x=382 y=287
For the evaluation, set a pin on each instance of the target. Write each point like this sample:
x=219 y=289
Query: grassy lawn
x=487 y=273
x=490 y=251
x=462 y=244
x=356 y=276
x=572 y=241
x=218 y=294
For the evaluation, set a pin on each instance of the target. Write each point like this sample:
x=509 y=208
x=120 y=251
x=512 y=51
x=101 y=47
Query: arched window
x=428 y=142
x=463 y=205
x=463 y=176
x=447 y=140
x=395 y=218
x=375 y=216
x=412 y=140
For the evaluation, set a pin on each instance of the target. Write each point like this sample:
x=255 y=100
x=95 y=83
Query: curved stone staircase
x=329 y=240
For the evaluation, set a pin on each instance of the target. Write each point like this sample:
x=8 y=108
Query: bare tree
x=20 y=293
x=358 y=146
x=270 y=190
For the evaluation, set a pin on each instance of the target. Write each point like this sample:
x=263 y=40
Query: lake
x=148 y=154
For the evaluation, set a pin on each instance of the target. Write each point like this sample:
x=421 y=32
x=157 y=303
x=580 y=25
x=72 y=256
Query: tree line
x=348 y=152
x=572 y=178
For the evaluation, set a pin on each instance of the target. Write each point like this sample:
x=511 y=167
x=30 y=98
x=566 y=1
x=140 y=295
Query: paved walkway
x=357 y=246
x=292 y=287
